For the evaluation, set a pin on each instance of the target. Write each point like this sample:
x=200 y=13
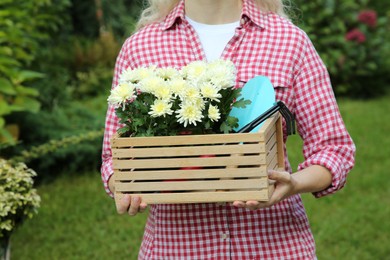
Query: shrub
x=24 y=25
x=352 y=48
x=19 y=200
x=81 y=121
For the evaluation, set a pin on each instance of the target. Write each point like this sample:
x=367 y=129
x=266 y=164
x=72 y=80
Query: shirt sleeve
x=112 y=122
x=326 y=141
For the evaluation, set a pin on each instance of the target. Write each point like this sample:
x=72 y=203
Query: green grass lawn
x=78 y=221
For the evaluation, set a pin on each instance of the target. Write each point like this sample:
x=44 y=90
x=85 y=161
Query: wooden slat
x=268 y=124
x=280 y=143
x=188 y=150
x=201 y=197
x=184 y=139
x=188 y=162
x=192 y=174
x=191 y=185
x=271 y=154
x=273 y=164
x=195 y=139
x=271 y=131
x=271 y=142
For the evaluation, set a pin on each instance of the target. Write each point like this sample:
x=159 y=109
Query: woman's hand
x=284 y=187
x=311 y=179
x=131 y=205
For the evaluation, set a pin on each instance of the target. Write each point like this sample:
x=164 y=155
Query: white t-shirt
x=214 y=38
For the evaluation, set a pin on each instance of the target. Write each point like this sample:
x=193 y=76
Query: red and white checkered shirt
x=263 y=44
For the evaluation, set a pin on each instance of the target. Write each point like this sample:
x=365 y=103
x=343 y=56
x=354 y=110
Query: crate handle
x=278 y=106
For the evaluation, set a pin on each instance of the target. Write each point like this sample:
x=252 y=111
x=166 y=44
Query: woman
x=257 y=37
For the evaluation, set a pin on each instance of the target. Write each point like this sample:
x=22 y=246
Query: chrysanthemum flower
x=189 y=114
x=213 y=113
x=221 y=73
x=194 y=70
x=150 y=84
x=178 y=87
x=168 y=73
x=160 y=108
x=191 y=93
x=199 y=103
x=210 y=91
x=137 y=74
x=121 y=94
x=163 y=92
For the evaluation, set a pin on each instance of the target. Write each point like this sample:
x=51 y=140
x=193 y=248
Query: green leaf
x=4 y=108
x=123 y=130
x=232 y=121
x=6 y=87
x=242 y=103
x=27 y=91
x=6 y=136
x=26 y=75
x=27 y=104
x=225 y=128
x=2 y=122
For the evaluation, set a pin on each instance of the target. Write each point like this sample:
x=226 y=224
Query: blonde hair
x=157 y=10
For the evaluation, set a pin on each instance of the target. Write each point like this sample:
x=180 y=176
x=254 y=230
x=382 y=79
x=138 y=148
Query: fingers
x=134 y=206
x=142 y=207
x=131 y=205
x=252 y=205
x=282 y=181
x=123 y=204
x=279 y=176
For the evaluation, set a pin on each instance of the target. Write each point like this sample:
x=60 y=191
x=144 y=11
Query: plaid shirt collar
x=250 y=13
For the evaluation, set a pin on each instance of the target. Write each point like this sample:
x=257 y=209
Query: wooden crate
x=177 y=169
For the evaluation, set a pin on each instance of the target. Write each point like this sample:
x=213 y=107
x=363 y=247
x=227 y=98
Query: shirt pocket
x=282 y=85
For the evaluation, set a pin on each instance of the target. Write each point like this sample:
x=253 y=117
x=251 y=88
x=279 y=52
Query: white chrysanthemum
x=168 y=73
x=121 y=94
x=194 y=70
x=210 y=91
x=178 y=87
x=199 y=103
x=129 y=75
x=221 y=73
x=150 y=84
x=160 y=108
x=137 y=75
x=191 y=94
x=189 y=114
x=163 y=92
x=213 y=113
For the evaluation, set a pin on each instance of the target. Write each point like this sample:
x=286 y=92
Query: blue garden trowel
x=261 y=93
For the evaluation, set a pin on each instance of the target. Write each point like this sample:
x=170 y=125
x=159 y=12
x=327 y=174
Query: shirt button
x=224 y=236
